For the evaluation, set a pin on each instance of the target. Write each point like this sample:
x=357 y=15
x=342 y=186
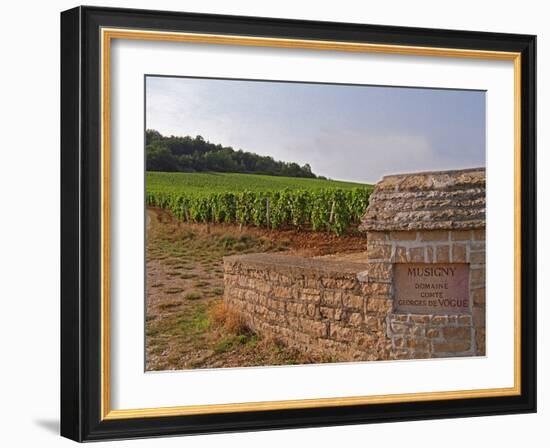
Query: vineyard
x=263 y=201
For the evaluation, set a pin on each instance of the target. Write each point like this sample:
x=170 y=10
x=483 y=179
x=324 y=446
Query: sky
x=345 y=132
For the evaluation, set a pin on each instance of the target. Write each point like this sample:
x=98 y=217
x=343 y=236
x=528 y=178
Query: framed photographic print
x=272 y=223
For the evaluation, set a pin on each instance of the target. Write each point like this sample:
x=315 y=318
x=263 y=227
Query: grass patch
x=252 y=341
x=224 y=345
x=174 y=262
x=172 y=290
x=151 y=332
x=232 y=321
x=197 y=321
x=156 y=351
x=232 y=342
x=168 y=305
x=192 y=296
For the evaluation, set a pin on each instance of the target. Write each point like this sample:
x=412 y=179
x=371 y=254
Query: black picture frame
x=81 y=224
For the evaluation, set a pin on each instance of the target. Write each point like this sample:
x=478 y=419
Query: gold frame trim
x=107 y=35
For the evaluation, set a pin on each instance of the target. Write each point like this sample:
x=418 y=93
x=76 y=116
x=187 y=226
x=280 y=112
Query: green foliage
x=252 y=200
x=191 y=154
x=205 y=184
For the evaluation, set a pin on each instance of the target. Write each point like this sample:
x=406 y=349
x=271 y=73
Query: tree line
x=195 y=154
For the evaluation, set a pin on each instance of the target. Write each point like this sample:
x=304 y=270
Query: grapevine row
x=320 y=210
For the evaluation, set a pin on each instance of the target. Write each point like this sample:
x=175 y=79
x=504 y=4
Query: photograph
x=291 y=223
x=274 y=223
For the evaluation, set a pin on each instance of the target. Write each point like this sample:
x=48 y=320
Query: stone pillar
x=426 y=256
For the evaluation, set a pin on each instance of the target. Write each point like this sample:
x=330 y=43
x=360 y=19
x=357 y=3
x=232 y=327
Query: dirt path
x=185 y=286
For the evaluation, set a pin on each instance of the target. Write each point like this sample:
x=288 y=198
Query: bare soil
x=185 y=285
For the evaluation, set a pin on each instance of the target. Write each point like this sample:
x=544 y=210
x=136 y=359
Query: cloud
x=358 y=133
x=367 y=156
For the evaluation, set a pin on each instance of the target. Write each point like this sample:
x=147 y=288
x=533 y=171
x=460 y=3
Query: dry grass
x=222 y=315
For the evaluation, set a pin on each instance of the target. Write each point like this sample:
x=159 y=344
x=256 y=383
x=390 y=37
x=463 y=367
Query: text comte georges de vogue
x=439 y=287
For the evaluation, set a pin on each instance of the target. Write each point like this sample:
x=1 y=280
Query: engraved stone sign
x=441 y=288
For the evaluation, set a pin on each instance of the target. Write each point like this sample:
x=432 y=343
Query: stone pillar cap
x=433 y=200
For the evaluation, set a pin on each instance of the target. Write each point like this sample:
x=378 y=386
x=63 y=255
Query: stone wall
x=324 y=307
x=423 y=335
x=349 y=311
x=429 y=218
x=346 y=310
x=434 y=200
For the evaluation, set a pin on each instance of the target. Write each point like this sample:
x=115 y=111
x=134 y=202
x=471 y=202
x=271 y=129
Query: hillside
x=194 y=154
x=208 y=183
